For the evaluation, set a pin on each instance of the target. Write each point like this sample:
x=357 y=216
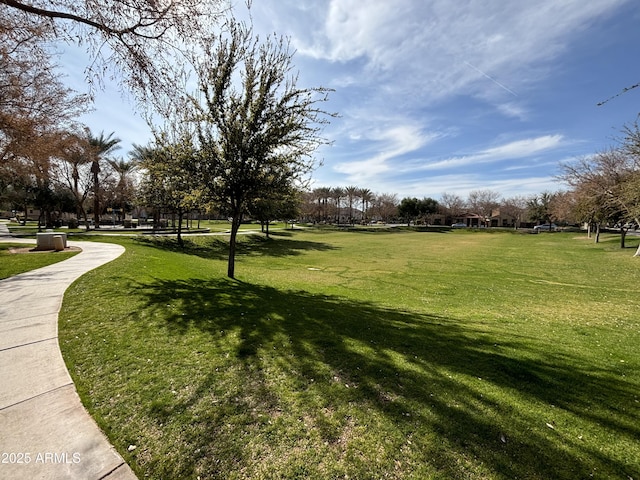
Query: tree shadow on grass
x=283 y=233
x=360 y=370
x=217 y=248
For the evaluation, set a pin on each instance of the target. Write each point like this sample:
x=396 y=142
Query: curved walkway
x=45 y=432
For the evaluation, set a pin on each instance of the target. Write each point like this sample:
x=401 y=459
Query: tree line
x=240 y=144
x=604 y=188
x=352 y=204
x=242 y=141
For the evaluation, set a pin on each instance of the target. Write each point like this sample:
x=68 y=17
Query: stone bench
x=51 y=241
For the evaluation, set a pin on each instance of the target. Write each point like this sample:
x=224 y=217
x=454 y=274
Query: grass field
x=15 y=263
x=460 y=355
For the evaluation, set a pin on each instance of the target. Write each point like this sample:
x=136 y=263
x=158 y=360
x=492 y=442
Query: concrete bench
x=51 y=241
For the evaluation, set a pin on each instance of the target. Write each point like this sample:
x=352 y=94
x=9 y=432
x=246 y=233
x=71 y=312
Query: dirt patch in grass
x=33 y=250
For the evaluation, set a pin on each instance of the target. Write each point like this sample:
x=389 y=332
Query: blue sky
x=438 y=96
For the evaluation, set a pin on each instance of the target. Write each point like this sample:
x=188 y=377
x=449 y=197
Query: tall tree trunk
x=48 y=218
x=637 y=254
x=156 y=219
x=95 y=169
x=623 y=236
x=81 y=213
x=86 y=219
x=76 y=195
x=180 y=242
x=597 y=233
x=235 y=226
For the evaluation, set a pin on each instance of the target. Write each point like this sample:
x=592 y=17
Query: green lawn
x=225 y=225
x=31 y=228
x=461 y=355
x=15 y=263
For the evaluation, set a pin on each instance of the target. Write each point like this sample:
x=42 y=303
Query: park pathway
x=45 y=432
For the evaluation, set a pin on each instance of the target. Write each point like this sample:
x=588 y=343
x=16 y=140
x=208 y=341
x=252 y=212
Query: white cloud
x=463 y=184
x=442 y=48
x=387 y=144
x=513 y=110
x=513 y=150
x=523 y=148
x=476 y=76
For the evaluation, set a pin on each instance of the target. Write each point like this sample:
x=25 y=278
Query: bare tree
x=37 y=112
x=33 y=98
x=140 y=41
x=516 y=208
x=451 y=205
x=483 y=202
x=563 y=207
x=73 y=171
x=607 y=183
x=385 y=206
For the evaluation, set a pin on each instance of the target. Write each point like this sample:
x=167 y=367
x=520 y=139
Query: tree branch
x=624 y=90
x=76 y=18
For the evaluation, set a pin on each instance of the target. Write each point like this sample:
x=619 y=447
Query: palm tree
x=151 y=191
x=141 y=153
x=101 y=147
x=322 y=195
x=366 y=196
x=338 y=194
x=124 y=188
x=352 y=193
x=76 y=157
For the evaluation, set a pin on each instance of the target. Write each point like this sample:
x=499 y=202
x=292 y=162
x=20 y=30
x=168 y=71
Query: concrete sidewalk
x=45 y=432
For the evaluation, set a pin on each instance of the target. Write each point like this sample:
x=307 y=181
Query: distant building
x=499 y=219
x=470 y=219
